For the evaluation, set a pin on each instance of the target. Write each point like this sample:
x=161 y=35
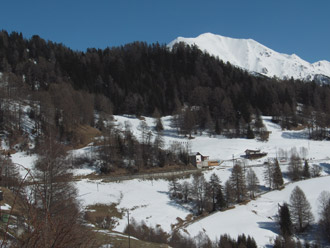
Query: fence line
x=152 y=175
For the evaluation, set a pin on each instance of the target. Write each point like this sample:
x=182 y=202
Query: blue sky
x=287 y=26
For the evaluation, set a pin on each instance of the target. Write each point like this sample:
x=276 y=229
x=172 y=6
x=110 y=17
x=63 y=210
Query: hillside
x=80 y=149
x=258 y=218
x=156 y=208
x=148 y=79
x=255 y=57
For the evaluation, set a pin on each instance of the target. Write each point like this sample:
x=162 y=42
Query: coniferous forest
x=143 y=79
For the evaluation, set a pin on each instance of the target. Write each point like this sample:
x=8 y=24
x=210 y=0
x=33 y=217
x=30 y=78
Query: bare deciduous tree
x=300 y=210
x=185 y=191
x=199 y=191
x=268 y=174
x=9 y=176
x=325 y=214
x=295 y=168
x=252 y=182
x=316 y=170
x=174 y=187
x=52 y=171
x=237 y=180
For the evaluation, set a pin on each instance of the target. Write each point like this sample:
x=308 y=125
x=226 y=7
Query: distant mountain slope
x=255 y=57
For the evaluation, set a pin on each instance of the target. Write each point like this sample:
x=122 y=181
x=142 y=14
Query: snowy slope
x=148 y=200
x=255 y=57
x=155 y=207
x=257 y=218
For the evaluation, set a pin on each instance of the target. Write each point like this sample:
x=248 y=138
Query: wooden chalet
x=254 y=154
x=200 y=161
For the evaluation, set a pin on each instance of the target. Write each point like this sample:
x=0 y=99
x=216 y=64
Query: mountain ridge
x=253 y=56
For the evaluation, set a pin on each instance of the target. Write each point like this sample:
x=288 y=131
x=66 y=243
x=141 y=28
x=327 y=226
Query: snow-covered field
x=148 y=200
x=145 y=200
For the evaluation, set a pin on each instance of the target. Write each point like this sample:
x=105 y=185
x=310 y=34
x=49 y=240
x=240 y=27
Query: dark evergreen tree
x=277 y=176
x=229 y=193
x=284 y=220
x=217 y=127
x=215 y=192
x=252 y=182
x=306 y=173
x=251 y=243
x=250 y=133
x=159 y=125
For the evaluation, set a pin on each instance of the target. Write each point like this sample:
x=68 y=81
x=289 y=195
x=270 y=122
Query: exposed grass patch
x=244 y=202
x=9 y=199
x=15 y=211
x=149 y=173
x=103 y=216
x=86 y=135
x=119 y=240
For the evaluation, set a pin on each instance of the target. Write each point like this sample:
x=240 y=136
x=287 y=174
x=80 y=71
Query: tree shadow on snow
x=172 y=134
x=263 y=188
x=325 y=167
x=164 y=192
x=174 y=203
x=286 y=175
x=271 y=226
x=314 y=235
x=295 y=135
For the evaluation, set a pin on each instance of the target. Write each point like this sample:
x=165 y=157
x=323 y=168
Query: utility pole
x=129 y=236
x=276 y=152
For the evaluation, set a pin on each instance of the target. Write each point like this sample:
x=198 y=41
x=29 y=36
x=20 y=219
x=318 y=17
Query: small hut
x=198 y=160
x=254 y=154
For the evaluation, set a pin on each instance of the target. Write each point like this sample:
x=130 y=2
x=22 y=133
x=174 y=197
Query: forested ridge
x=140 y=79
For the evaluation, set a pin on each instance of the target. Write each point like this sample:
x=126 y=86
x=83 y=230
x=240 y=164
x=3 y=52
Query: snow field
x=146 y=200
x=24 y=162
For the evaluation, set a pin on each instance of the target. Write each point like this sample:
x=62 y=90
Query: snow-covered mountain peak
x=255 y=57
